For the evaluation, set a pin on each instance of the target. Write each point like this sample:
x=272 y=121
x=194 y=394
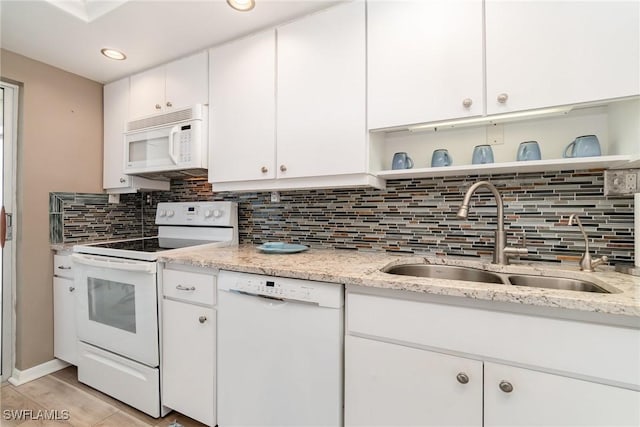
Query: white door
x=147 y=93
x=424 y=61
x=523 y=397
x=8 y=138
x=187 y=82
x=188 y=375
x=116 y=113
x=393 y=385
x=117 y=306
x=243 y=109
x=547 y=53
x=321 y=101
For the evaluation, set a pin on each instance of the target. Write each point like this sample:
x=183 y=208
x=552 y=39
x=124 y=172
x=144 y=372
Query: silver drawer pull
x=185 y=288
x=202 y=319
x=71 y=289
x=64 y=267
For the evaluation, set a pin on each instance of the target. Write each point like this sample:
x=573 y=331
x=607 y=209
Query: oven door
x=116 y=306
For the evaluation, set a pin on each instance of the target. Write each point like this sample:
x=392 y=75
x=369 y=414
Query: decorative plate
x=281 y=248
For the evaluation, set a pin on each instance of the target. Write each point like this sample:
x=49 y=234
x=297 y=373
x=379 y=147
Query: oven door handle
x=143 y=267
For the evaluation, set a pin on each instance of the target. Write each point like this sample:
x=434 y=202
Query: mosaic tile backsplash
x=419 y=216
x=79 y=217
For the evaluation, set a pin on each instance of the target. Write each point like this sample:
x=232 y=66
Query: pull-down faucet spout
x=501 y=252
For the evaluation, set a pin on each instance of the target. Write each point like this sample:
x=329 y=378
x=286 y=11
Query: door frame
x=8 y=289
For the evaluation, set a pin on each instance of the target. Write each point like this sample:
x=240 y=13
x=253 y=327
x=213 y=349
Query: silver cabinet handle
x=283 y=168
x=506 y=386
x=467 y=102
x=185 y=288
x=71 y=289
x=169 y=104
x=502 y=98
x=264 y=169
x=462 y=378
x=158 y=106
x=202 y=319
x=64 y=267
x=122 y=180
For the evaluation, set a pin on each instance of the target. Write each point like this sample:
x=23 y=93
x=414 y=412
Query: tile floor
x=86 y=406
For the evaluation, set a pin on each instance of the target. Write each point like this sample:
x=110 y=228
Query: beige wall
x=59 y=149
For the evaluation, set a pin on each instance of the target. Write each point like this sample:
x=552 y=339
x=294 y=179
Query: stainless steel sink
x=557 y=283
x=476 y=275
x=445 y=272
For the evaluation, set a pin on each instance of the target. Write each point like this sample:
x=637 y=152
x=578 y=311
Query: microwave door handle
x=146 y=267
x=174 y=131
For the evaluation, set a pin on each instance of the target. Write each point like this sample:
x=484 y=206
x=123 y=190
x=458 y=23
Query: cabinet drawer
x=189 y=286
x=556 y=344
x=62 y=266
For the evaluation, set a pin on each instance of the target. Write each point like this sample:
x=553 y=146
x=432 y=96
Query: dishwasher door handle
x=270 y=298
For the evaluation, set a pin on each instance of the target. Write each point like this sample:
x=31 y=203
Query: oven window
x=112 y=304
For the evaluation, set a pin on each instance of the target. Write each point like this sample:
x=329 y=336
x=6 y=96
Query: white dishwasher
x=280 y=351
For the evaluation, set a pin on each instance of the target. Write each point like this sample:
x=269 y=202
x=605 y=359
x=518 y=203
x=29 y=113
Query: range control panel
x=221 y=214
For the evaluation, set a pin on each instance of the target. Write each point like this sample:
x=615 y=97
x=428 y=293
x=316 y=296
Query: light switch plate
x=621 y=182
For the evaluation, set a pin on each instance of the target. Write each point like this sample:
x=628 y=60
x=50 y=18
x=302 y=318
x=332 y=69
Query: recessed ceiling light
x=242 y=5
x=113 y=54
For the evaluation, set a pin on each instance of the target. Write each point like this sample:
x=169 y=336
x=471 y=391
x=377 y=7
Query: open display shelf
x=576 y=163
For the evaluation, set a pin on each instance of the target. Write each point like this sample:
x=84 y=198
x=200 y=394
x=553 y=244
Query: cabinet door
x=188 y=363
x=424 y=61
x=392 y=385
x=321 y=127
x=543 y=53
x=116 y=111
x=64 y=320
x=187 y=82
x=542 y=399
x=147 y=93
x=243 y=109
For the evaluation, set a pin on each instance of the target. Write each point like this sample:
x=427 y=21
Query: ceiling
x=70 y=34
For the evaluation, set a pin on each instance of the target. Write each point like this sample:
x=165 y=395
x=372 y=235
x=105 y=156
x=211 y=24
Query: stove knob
x=170 y=213
x=162 y=213
x=217 y=213
x=208 y=213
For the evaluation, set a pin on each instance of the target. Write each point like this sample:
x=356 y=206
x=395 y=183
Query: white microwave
x=164 y=143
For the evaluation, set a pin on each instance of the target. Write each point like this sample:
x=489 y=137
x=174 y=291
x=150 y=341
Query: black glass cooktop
x=150 y=244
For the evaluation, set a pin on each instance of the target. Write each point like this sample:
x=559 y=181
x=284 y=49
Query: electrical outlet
x=621 y=182
x=275 y=197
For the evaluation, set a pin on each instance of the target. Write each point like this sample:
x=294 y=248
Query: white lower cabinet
x=188 y=378
x=65 y=339
x=394 y=385
x=420 y=363
x=524 y=397
x=188 y=343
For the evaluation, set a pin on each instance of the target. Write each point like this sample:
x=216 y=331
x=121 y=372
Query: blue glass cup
x=440 y=158
x=401 y=160
x=482 y=154
x=583 y=146
x=529 y=150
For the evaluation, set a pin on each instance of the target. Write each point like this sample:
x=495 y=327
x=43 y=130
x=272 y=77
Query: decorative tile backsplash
x=78 y=217
x=419 y=215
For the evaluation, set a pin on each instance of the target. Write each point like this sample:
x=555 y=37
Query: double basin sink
x=476 y=275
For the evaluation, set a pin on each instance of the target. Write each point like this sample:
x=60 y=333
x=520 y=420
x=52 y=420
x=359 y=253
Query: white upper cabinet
x=424 y=61
x=243 y=109
x=116 y=109
x=177 y=84
x=321 y=120
x=543 y=53
x=116 y=113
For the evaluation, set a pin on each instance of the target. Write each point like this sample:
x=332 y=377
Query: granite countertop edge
x=360 y=268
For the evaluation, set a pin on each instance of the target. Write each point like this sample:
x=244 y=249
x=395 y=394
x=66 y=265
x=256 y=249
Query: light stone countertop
x=363 y=269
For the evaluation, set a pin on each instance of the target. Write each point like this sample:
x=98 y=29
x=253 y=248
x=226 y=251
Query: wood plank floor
x=86 y=406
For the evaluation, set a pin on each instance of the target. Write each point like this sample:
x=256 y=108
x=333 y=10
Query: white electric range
x=117 y=299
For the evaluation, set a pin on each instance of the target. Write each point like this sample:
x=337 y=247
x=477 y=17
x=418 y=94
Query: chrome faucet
x=586 y=262
x=501 y=252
